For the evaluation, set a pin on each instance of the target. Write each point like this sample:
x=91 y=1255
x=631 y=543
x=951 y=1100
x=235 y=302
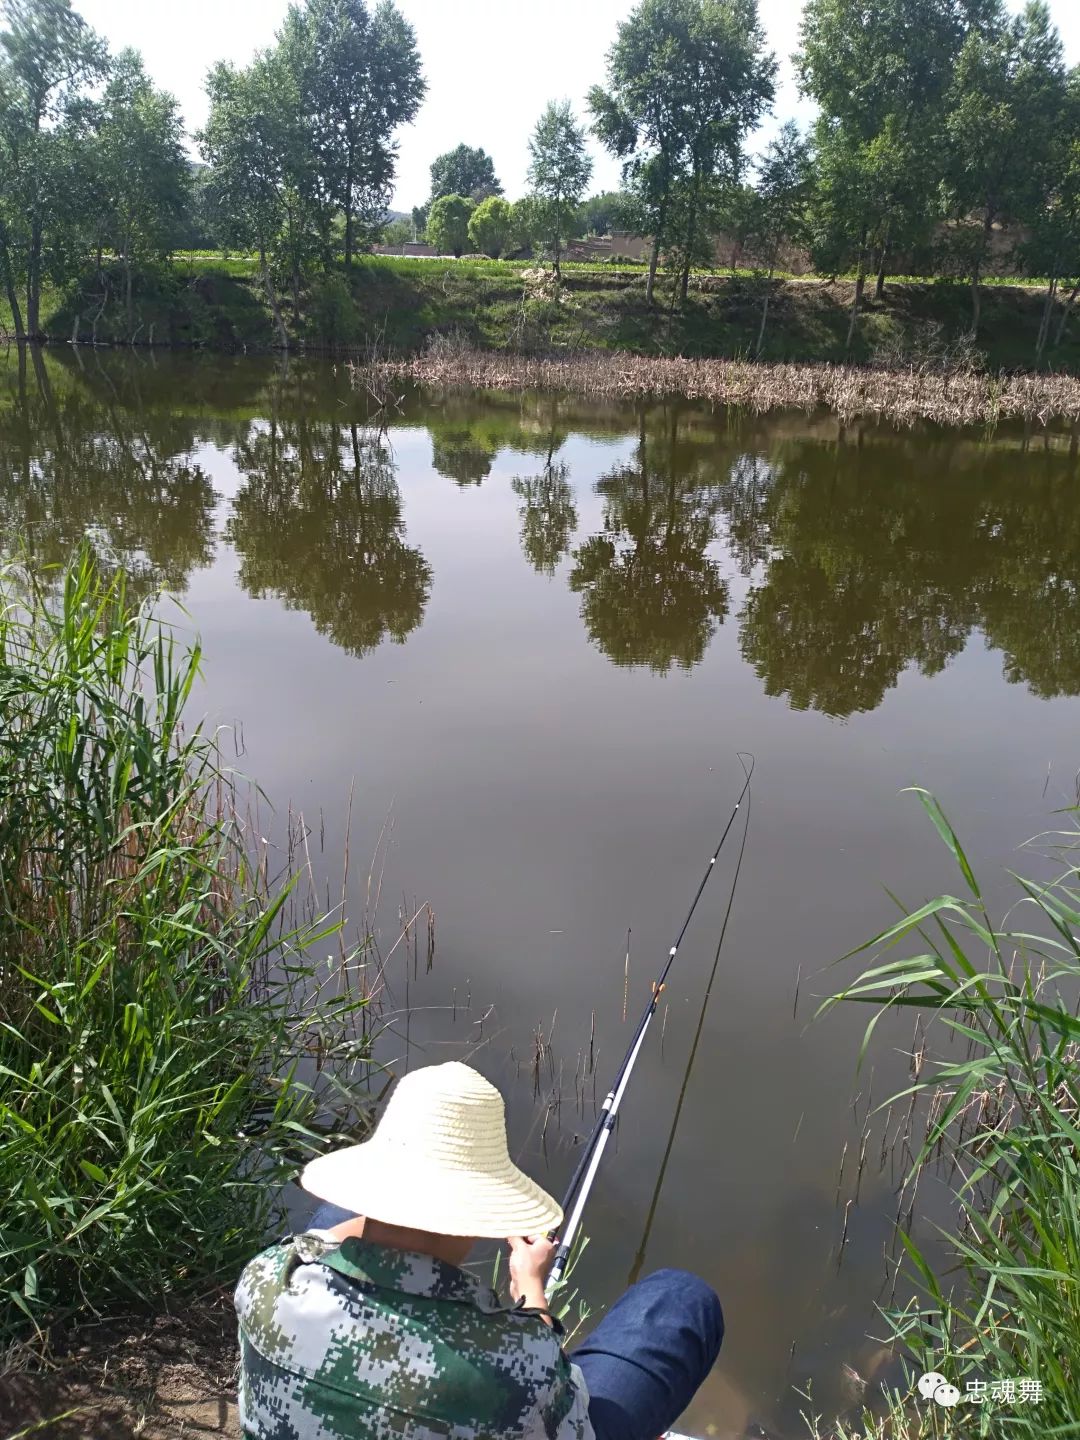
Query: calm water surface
x=535 y=633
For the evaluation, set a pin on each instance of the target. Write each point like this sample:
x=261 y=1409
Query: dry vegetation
x=905 y=397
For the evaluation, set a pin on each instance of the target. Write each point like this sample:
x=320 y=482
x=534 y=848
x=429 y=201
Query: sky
x=491 y=67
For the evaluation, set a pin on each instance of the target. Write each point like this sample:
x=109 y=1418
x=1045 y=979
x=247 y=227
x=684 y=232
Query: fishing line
x=581 y=1182
x=639 y=1258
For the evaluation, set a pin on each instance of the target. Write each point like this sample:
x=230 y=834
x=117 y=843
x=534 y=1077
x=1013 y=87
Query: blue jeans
x=648 y=1356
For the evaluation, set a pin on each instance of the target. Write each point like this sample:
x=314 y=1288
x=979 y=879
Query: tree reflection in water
x=864 y=553
x=651 y=594
x=74 y=465
x=318 y=523
x=865 y=560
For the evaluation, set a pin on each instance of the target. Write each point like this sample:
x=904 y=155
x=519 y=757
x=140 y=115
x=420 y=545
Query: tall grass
x=158 y=1004
x=1001 y=1124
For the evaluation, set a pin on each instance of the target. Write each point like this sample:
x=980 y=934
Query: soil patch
x=170 y=1378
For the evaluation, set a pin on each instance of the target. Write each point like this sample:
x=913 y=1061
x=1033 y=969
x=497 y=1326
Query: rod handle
x=562 y=1255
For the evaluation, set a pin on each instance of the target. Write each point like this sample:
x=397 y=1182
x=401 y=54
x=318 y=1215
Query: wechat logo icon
x=933 y=1386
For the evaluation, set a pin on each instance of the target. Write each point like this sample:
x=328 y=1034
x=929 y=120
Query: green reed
x=998 y=1118
x=161 y=1020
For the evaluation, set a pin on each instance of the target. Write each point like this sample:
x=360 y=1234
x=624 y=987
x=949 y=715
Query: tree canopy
x=559 y=171
x=464 y=171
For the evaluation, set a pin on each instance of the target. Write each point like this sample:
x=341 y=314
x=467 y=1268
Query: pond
x=523 y=639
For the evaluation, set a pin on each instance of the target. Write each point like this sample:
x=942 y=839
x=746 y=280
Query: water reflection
x=879 y=557
x=548 y=516
x=862 y=553
x=72 y=465
x=651 y=594
x=318 y=523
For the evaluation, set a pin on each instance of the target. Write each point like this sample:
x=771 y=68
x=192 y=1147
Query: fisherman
x=366 y=1325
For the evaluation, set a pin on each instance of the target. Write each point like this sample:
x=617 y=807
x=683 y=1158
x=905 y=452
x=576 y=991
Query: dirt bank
x=172 y=1377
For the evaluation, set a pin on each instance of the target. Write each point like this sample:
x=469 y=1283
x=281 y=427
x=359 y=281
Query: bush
x=448 y=224
x=332 y=313
x=155 y=999
x=491 y=226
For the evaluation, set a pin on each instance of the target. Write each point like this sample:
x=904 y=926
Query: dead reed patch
x=901 y=396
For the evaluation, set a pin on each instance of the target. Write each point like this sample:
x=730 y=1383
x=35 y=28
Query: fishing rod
x=581 y=1182
x=639 y=1258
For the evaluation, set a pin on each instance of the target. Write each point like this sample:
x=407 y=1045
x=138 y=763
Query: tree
x=142 y=170
x=491 y=226
x=255 y=143
x=397 y=232
x=1006 y=104
x=882 y=80
x=464 y=171
x=687 y=81
x=448 y=224
x=50 y=58
x=559 y=170
x=602 y=214
x=358 y=77
x=778 y=206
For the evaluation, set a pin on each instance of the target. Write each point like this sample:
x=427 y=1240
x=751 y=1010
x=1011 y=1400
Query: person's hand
x=531 y=1258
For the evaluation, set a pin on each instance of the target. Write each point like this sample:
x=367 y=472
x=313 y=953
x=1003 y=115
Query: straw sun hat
x=438 y=1161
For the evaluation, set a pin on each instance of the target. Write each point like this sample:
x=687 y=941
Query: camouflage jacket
x=359 y=1342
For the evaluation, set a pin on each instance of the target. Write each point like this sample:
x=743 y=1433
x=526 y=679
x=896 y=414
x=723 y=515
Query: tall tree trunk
x=10 y=289
x=691 y=233
x=557 y=239
x=976 y=272
x=654 y=260
x=879 y=288
x=33 y=282
x=1044 y=323
x=129 y=308
x=349 y=207
x=764 y=314
x=272 y=300
x=860 y=281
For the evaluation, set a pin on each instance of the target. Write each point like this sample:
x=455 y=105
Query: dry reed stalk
x=902 y=396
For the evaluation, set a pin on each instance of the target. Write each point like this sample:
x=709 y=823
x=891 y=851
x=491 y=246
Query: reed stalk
x=903 y=396
x=999 y=1123
x=165 y=1031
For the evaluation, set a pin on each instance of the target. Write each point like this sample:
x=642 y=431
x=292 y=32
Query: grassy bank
x=398 y=304
x=158 y=998
x=993 y=1114
x=965 y=397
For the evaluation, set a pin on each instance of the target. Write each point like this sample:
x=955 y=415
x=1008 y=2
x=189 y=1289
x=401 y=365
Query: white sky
x=491 y=66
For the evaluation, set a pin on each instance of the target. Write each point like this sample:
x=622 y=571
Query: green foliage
x=156 y=997
x=603 y=214
x=1001 y=1117
x=49 y=60
x=491 y=226
x=559 y=171
x=448 y=224
x=397 y=232
x=357 y=79
x=1009 y=84
x=687 y=81
x=464 y=171
x=332 y=313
